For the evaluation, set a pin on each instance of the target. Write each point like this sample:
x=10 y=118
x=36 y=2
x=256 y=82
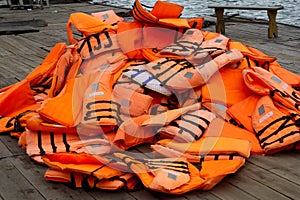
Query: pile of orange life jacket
x=199 y=101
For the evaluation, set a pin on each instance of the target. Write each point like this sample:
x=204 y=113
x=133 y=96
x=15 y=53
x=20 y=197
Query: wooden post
x=220 y=26
x=273 y=30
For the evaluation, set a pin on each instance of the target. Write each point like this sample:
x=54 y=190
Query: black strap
x=40 y=146
x=73 y=181
x=285 y=119
x=54 y=148
x=281 y=139
x=67 y=146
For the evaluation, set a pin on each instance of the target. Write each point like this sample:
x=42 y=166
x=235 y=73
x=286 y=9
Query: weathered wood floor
x=263 y=177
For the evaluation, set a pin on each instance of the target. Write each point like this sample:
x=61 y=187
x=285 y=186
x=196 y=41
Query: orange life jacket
x=209 y=145
x=226 y=87
x=108 y=16
x=23 y=92
x=221 y=128
x=274 y=129
x=125 y=182
x=155 y=38
x=242 y=111
x=85 y=24
x=97 y=166
x=252 y=56
x=131 y=132
x=45 y=138
x=264 y=82
x=218 y=109
x=188 y=43
x=143 y=16
x=103 y=45
x=130 y=39
x=181 y=74
x=62 y=108
x=98 y=106
x=132 y=103
x=174 y=176
x=41 y=73
x=213 y=164
x=167 y=117
x=143 y=77
x=189 y=126
x=209 y=49
x=287 y=76
x=66 y=68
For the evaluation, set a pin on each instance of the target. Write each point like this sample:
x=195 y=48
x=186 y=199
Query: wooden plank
x=12 y=145
x=272 y=180
x=257 y=189
x=143 y=194
x=227 y=191
x=17 y=30
x=49 y=190
x=4 y=150
x=198 y=194
x=13 y=185
x=279 y=165
x=117 y=195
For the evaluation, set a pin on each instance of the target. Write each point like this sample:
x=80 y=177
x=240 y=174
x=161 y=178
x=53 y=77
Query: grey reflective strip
x=188 y=75
x=125 y=102
x=261 y=110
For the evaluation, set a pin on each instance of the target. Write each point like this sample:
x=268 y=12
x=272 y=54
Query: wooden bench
x=272 y=12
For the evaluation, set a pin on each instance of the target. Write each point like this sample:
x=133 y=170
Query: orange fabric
x=98 y=43
x=66 y=68
x=132 y=103
x=130 y=39
x=152 y=179
x=97 y=169
x=196 y=22
x=39 y=143
x=215 y=170
x=253 y=57
x=98 y=107
x=220 y=128
x=210 y=145
x=22 y=97
x=226 y=87
x=189 y=127
x=289 y=77
x=218 y=109
x=274 y=129
x=158 y=37
x=108 y=16
x=86 y=24
x=163 y=9
x=46 y=69
x=63 y=108
x=170 y=115
x=264 y=82
x=131 y=133
x=184 y=46
x=242 y=111
x=143 y=16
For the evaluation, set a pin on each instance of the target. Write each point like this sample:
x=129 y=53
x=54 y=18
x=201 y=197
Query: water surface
x=192 y=8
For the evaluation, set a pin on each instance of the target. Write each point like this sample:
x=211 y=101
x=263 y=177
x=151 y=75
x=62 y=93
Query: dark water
x=192 y=8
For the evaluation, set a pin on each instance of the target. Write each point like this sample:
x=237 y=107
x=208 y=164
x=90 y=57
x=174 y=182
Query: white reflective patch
x=266 y=116
x=96 y=94
x=57 y=125
x=285 y=86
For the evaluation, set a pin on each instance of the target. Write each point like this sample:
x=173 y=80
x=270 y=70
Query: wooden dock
x=263 y=177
